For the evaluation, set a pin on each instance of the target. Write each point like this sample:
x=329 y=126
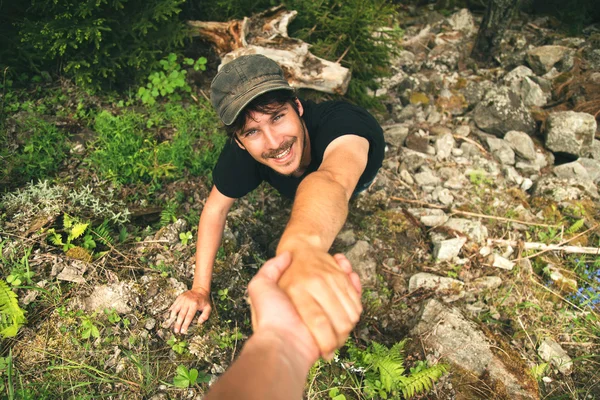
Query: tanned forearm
x=267 y=368
x=318 y=214
x=210 y=232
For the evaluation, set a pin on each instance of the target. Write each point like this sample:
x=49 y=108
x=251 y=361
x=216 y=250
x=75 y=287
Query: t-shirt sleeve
x=340 y=119
x=236 y=173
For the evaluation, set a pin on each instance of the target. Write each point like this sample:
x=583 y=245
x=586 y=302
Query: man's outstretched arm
x=210 y=231
x=320 y=291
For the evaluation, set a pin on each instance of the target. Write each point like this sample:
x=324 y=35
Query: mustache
x=284 y=146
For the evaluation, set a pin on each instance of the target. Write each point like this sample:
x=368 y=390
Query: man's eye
x=250 y=133
x=278 y=117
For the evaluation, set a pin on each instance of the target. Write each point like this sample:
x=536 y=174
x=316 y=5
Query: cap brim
x=235 y=107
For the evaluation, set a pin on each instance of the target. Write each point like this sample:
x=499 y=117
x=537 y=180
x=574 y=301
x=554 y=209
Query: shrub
x=36 y=151
x=126 y=151
x=100 y=41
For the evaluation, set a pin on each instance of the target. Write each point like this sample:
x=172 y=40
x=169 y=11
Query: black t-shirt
x=237 y=173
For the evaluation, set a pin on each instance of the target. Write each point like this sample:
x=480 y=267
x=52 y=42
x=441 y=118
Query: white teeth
x=281 y=155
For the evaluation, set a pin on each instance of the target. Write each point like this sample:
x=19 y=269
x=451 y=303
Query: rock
x=527 y=184
x=503 y=263
x=570 y=132
x=446 y=331
x=444 y=145
x=512 y=175
x=395 y=134
x=501 y=111
x=463 y=130
x=594 y=151
x=475 y=230
x=346 y=237
x=406 y=61
x=484 y=283
x=406 y=177
x=362 y=263
x=443 y=196
x=171 y=232
x=543 y=59
x=73 y=272
x=413 y=160
x=444 y=248
x=417 y=143
x=571 y=170
x=150 y=324
x=463 y=21
x=445 y=56
x=561 y=189
x=501 y=151
x=592 y=167
x=427 y=178
x=550 y=351
x=159 y=294
x=119 y=296
x=531 y=93
x=522 y=144
x=439 y=130
x=429 y=216
x=451 y=289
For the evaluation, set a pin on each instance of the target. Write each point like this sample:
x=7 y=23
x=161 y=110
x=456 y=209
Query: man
x=317 y=154
x=276 y=359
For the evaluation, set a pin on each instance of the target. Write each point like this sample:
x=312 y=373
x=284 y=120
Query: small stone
x=427 y=178
x=347 y=237
x=444 y=145
x=417 y=143
x=362 y=263
x=565 y=284
x=406 y=177
x=503 y=263
x=475 y=230
x=446 y=249
x=150 y=324
x=527 y=184
x=429 y=217
x=443 y=196
x=485 y=251
x=570 y=132
x=457 y=152
x=463 y=130
x=552 y=352
x=522 y=144
x=501 y=151
x=395 y=134
x=485 y=283
x=542 y=59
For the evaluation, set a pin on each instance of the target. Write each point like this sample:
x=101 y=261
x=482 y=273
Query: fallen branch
x=422 y=203
x=471 y=214
x=550 y=247
x=466 y=139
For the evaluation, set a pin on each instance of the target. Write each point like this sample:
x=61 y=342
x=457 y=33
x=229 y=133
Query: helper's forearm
x=319 y=212
x=210 y=232
x=267 y=368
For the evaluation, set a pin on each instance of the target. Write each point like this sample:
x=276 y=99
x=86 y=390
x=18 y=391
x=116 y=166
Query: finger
x=253 y=317
x=317 y=322
x=339 y=310
x=174 y=309
x=188 y=319
x=180 y=317
x=205 y=314
x=354 y=278
x=346 y=295
x=343 y=262
x=274 y=268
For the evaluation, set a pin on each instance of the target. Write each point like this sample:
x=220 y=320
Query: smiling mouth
x=281 y=153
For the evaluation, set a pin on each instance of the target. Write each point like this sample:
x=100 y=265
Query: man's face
x=276 y=140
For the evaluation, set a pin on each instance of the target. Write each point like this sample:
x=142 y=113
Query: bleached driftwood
x=546 y=247
x=266 y=33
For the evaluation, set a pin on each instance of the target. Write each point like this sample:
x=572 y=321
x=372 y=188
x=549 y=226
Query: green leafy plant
x=87 y=328
x=20 y=271
x=76 y=238
x=185 y=237
x=169 y=214
x=185 y=378
x=170 y=80
x=334 y=394
x=12 y=317
x=112 y=315
x=178 y=346
x=538 y=371
x=385 y=375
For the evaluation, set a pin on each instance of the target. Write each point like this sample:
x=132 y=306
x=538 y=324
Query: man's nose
x=271 y=139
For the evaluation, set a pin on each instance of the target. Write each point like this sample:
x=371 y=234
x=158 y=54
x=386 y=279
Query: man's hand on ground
x=186 y=306
x=325 y=294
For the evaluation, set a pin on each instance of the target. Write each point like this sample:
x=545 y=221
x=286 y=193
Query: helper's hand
x=274 y=314
x=326 y=295
x=185 y=307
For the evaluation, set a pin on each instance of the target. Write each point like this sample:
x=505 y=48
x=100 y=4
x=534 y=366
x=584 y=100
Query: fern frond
x=576 y=226
x=102 y=233
x=67 y=221
x=77 y=230
x=12 y=317
x=390 y=372
x=169 y=214
x=55 y=238
x=421 y=381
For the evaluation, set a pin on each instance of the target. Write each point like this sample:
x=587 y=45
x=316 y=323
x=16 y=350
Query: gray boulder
x=543 y=59
x=552 y=352
x=445 y=248
x=592 y=167
x=594 y=150
x=570 y=132
x=451 y=289
x=501 y=111
x=446 y=331
x=571 y=170
x=463 y=21
x=522 y=144
x=520 y=81
x=395 y=134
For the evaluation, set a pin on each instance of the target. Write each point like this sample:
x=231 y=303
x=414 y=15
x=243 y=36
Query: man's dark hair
x=267 y=103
